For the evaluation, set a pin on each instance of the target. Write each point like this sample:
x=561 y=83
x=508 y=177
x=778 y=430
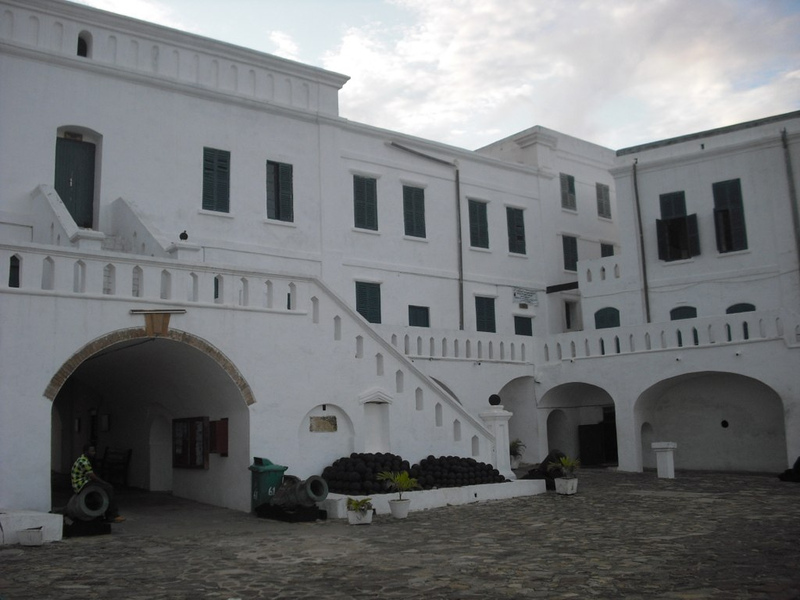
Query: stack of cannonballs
x=357 y=474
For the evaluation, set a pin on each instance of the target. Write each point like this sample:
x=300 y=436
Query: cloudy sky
x=469 y=72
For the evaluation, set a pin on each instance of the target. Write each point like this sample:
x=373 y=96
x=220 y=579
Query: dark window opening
x=216 y=179
x=414 y=211
x=516 y=230
x=603 y=201
x=570 y=246
x=13 y=272
x=484 y=314
x=365 y=200
x=606 y=250
x=678 y=235
x=729 y=216
x=683 y=312
x=523 y=325
x=280 y=194
x=606 y=318
x=568 y=198
x=419 y=316
x=368 y=301
x=83 y=46
x=478 y=225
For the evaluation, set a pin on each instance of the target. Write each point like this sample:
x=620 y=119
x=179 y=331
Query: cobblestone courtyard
x=624 y=535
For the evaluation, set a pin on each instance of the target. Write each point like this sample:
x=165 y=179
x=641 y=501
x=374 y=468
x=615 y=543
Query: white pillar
x=665 y=459
x=496 y=418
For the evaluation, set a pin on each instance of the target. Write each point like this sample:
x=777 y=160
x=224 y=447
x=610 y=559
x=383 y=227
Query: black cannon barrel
x=294 y=492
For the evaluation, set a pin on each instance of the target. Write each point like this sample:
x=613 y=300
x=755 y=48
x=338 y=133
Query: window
x=516 y=230
x=478 y=225
x=729 y=216
x=13 y=272
x=84 y=44
x=568 y=200
x=419 y=316
x=571 y=316
x=484 y=314
x=683 y=312
x=570 y=245
x=603 y=201
x=190 y=443
x=523 y=326
x=414 y=211
x=365 y=200
x=280 y=197
x=606 y=250
x=740 y=308
x=606 y=318
x=678 y=236
x=368 y=301
x=216 y=179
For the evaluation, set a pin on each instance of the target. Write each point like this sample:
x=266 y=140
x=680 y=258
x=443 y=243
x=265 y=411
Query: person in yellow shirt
x=83 y=476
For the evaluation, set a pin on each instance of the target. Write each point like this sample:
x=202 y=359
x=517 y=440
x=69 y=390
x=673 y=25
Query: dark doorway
x=74 y=180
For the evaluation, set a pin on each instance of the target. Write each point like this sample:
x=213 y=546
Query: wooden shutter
x=216 y=179
x=365 y=202
x=523 y=326
x=603 y=201
x=286 y=193
x=729 y=216
x=516 y=230
x=484 y=314
x=414 y=211
x=693 y=235
x=568 y=199
x=570 y=245
x=368 y=301
x=606 y=318
x=478 y=225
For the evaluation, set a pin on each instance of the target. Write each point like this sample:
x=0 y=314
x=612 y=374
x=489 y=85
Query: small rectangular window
x=419 y=316
x=729 y=216
x=606 y=250
x=523 y=326
x=216 y=179
x=603 y=201
x=484 y=314
x=568 y=198
x=280 y=194
x=190 y=443
x=570 y=247
x=414 y=211
x=478 y=225
x=368 y=301
x=516 y=230
x=365 y=201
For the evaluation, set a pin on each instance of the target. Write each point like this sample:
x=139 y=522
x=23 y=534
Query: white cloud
x=285 y=46
x=152 y=11
x=617 y=74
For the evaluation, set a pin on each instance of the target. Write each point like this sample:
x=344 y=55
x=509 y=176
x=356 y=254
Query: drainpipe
x=645 y=285
x=792 y=191
x=459 y=236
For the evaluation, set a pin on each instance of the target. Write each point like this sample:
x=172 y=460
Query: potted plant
x=399 y=482
x=516 y=449
x=359 y=511
x=564 y=474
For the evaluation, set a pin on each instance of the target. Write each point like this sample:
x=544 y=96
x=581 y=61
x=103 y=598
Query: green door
x=75 y=179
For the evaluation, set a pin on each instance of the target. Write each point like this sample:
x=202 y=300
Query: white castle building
x=202 y=262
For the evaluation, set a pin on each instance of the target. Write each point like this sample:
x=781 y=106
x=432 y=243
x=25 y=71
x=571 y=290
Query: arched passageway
x=170 y=400
x=720 y=421
x=582 y=423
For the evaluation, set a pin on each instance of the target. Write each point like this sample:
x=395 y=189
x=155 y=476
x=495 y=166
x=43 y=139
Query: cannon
x=286 y=497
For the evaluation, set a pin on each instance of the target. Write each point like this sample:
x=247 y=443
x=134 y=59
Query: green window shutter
x=606 y=250
x=478 y=225
x=606 y=318
x=603 y=201
x=523 y=326
x=729 y=216
x=662 y=233
x=484 y=314
x=516 y=230
x=683 y=312
x=365 y=202
x=368 y=301
x=419 y=316
x=414 y=211
x=570 y=247
x=673 y=205
x=568 y=198
x=216 y=179
x=692 y=235
x=280 y=194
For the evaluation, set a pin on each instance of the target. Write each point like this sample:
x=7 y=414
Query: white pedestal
x=496 y=419
x=665 y=459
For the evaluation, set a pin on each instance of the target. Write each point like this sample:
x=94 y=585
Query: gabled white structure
x=193 y=241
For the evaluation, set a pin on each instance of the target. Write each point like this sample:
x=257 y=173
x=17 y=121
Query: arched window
x=85 y=44
x=606 y=318
x=683 y=312
x=740 y=308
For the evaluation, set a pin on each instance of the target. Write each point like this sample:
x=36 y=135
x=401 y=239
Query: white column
x=496 y=418
x=665 y=459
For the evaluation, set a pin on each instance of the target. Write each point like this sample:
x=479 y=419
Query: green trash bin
x=266 y=478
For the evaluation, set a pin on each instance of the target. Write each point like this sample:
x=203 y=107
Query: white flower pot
x=399 y=508
x=566 y=486
x=356 y=517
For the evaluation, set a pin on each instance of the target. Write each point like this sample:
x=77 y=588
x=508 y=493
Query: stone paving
x=624 y=535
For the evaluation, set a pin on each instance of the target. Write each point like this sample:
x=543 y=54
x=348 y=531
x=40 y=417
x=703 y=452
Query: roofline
x=708 y=133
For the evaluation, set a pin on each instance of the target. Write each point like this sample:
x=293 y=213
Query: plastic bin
x=266 y=477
